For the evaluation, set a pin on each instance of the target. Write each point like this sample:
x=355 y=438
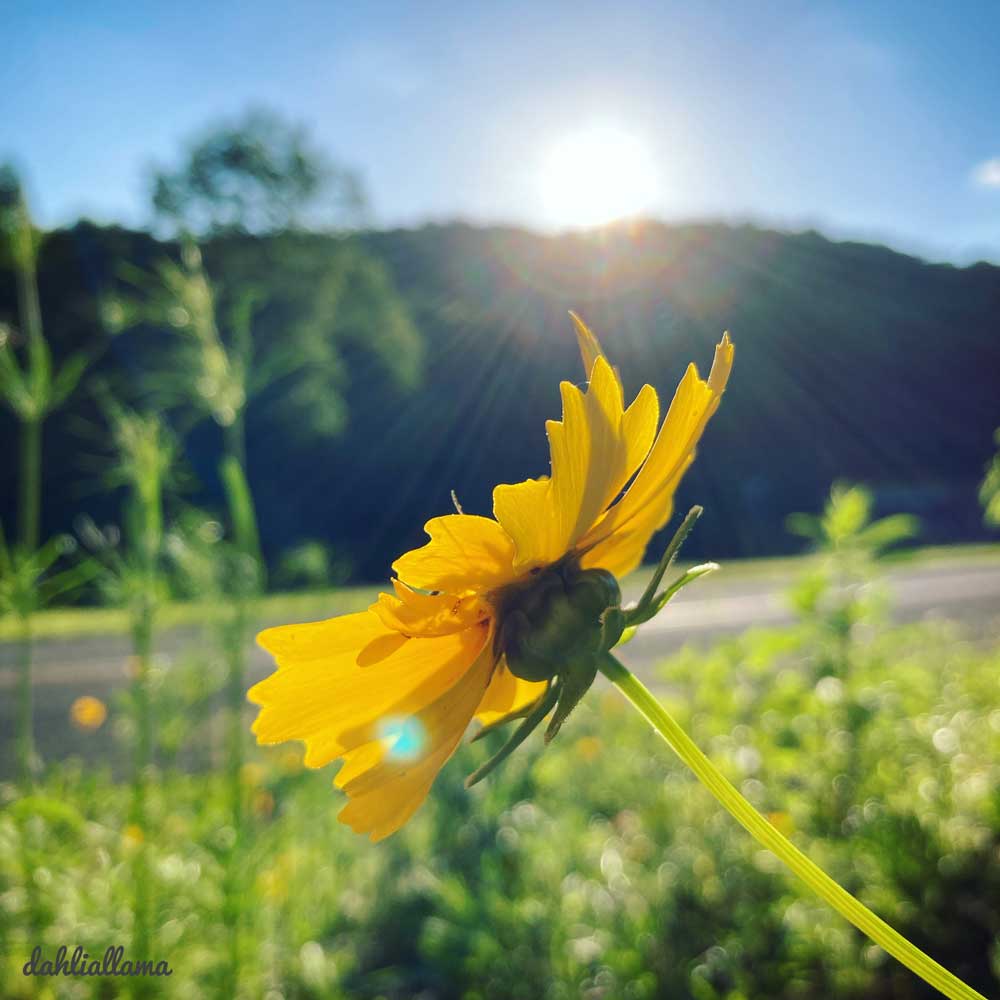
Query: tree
x=256 y=174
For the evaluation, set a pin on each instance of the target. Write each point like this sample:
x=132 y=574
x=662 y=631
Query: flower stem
x=817 y=880
x=30 y=483
x=25 y=712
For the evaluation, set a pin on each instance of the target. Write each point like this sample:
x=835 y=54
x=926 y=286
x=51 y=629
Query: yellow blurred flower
x=782 y=822
x=588 y=748
x=272 y=885
x=88 y=712
x=251 y=774
x=484 y=618
x=132 y=836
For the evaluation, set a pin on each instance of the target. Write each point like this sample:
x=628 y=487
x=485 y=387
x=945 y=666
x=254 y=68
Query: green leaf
x=39 y=371
x=13 y=382
x=889 y=531
x=67 y=581
x=67 y=378
x=805 y=526
x=241 y=509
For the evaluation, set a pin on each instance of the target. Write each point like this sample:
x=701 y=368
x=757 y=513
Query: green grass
x=63 y=623
x=594 y=867
x=58 y=623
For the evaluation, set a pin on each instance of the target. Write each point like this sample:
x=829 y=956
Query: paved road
x=723 y=604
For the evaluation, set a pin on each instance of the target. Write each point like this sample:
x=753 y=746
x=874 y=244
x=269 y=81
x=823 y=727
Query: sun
x=595 y=176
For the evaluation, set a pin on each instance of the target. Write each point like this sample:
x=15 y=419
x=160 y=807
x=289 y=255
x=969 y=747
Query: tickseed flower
x=511 y=617
x=132 y=836
x=494 y=619
x=88 y=712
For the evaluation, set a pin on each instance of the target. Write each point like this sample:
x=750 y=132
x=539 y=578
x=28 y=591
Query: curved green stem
x=817 y=880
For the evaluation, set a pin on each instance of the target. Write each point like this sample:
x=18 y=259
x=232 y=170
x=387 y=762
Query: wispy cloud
x=987 y=173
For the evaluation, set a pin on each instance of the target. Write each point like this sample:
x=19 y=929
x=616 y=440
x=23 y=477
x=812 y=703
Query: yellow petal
x=622 y=552
x=328 y=640
x=595 y=448
x=722 y=365
x=604 y=411
x=507 y=694
x=466 y=553
x=639 y=430
x=590 y=346
x=387 y=779
x=334 y=703
x=522 y=509
x=617 y=540
x=417 y=614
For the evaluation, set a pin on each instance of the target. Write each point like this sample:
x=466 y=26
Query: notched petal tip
x=590 y=346
x=722 y=365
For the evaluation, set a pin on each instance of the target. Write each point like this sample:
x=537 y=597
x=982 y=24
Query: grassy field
x=597 y=867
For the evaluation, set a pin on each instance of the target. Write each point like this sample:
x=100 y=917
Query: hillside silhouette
x=853 y=362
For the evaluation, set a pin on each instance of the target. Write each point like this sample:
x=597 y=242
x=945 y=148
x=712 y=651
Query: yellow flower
x=88 y=712
x=782 y=822
x=588 y=748
x=251 y=774
x=132 y=836
x=475 y=625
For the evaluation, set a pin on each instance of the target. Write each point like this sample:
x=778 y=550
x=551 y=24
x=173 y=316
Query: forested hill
x=852 y=362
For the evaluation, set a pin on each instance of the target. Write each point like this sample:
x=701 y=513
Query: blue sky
x=875 y=120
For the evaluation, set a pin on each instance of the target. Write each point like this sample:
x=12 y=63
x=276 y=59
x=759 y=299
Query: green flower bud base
x=561 y=615
x=556 y=626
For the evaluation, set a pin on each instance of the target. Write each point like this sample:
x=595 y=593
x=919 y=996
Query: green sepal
x=504 y=720
x=575 y=684
x=628 y=634
x=541 y=708
x=639 y=615
x=666 y=561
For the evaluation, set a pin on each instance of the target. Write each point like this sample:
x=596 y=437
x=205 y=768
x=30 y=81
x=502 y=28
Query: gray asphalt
x=962 y=589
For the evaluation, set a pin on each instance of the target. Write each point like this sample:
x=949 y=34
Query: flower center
x=557 y=620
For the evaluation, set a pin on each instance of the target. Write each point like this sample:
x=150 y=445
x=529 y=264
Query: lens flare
x=404 y=737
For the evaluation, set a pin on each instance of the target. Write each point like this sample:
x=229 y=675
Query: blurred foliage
x=19 y=239
x=30 y=581
x=310 y=564
x=202 y=373
x=843 y=588
x=846 y=530
x=989 y=490
x=256 y=174
x=211 y=350
x=141 y=463
x=597 y=867
x=34 y=387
